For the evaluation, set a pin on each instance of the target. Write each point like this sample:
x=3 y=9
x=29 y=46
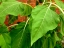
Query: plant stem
x=12 y=25
x=50 y=4
x=44 y=1
x=26 y=24
x=58 y=7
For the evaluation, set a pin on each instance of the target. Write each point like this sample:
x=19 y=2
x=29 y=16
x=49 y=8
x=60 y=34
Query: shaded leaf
x=62 y=24
x=3 y=29
x=14 y=8
x=48 y=43
x=62 y=27
x=12 y=19
x=60 y=3
x=37 y=44
x=20 y=38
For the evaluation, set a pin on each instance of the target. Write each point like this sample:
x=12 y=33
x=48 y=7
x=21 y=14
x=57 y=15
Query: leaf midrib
x=41 y=21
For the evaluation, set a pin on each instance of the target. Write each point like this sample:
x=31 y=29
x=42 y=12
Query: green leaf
x=48 y=43
x=14 y=8
x=45 y=43
x=3 y=29
x=5 y=40
x=27 y=9
x=12 y=19
x=60 y=3
x=44 y=19
x=6 y=0
x=54 y=38
x=57 y=38
x=20 y=37
x=62 y=27
x=2 y=19
x=37 y=44
x=10 y=0
x=60 y=35
x=62 y=24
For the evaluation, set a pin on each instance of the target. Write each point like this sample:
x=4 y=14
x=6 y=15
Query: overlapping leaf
x=12 y=19
x=6 y=0
x=62 y=26
x=3 y=29
x=50 y=40
x=44 y=19
x=20 y=37
x=5 y=40
x=48 y=43
x=60 y=3
x=13 y=8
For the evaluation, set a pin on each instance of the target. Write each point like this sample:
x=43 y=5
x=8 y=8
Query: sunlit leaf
x=5 y=40
x=14 y=8
x=60 y=3
x=44 y=19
